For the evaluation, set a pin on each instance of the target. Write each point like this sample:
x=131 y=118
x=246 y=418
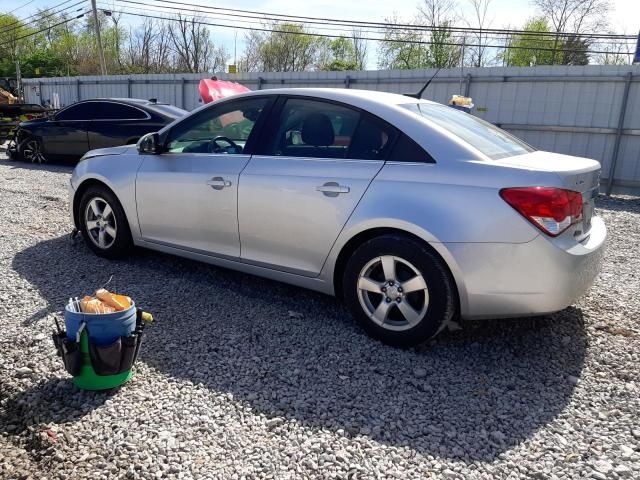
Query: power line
x=43 y=30
x=22 y=21
x=21 y=6
x=349 y=33
x=326 y=35
x=306 y=19
x=23 y=24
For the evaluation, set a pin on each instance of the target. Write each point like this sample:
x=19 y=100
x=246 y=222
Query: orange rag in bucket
x=118 y=302
x=93 y=305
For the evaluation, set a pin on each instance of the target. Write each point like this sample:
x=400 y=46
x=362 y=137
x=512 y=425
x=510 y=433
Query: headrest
x=317 y=130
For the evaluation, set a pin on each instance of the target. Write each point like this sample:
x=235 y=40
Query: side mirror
x=149 y=144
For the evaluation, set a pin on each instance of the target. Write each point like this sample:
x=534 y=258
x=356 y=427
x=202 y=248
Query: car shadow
x=293 y=354
x=65 y=167
x=619 y=203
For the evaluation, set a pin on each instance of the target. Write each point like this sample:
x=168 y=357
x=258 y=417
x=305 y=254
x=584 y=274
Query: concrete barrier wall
x=572 y=110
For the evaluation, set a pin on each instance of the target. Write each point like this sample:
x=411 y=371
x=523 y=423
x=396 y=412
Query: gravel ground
x=248 y=378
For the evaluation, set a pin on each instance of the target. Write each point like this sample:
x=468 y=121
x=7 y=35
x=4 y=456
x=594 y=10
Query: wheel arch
x=363 y=236
x=82 y=188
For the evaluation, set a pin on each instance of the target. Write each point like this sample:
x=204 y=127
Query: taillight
x=552 y=210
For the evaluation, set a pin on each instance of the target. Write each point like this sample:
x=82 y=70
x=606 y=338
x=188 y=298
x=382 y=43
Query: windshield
x=492 y=141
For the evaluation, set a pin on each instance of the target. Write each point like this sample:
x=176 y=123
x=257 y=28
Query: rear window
x=492 y=141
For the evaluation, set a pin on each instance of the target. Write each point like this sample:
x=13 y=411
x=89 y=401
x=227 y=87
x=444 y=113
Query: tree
x=574 y=51
x=442 y=49
x=193 y=47
x=430 y=44
x=360 y=49
x=617 y=53
x=478 y=54
x=575 y=17
x=401 y=49
x=339 y=54
x=148 y=49
x=287 y=48
x=528 y=50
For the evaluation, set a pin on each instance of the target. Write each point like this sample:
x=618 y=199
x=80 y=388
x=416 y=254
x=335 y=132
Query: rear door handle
x=332 y=189
x=218 y=183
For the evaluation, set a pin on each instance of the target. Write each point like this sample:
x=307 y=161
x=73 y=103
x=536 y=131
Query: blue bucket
x=103 y=328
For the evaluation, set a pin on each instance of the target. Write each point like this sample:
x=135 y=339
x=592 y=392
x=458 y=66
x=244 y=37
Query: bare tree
x=440 y=15
x=140 y=48
x=360 y=49
x=193 y=47
x=436 y=13
x=615 y=52
x=480 y=19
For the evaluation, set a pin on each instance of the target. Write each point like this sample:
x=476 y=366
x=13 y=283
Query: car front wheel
x=104 y=224
x=399 y=290
x=30 y=149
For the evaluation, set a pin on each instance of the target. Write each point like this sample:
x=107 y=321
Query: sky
x=625 y=17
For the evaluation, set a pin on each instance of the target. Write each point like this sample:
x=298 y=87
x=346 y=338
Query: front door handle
x=218 y=183
x=332 y=189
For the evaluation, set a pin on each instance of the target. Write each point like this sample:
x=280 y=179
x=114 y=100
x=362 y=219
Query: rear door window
x=313 y=128
x=118 y=111
x=372 y=139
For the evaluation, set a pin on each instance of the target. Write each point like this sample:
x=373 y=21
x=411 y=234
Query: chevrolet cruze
x=408 y=210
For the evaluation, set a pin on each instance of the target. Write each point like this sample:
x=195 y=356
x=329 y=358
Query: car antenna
x=419 y=94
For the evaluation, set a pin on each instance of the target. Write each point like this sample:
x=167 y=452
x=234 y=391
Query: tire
x=375 y=285
x=107 y=235
x=30 y=150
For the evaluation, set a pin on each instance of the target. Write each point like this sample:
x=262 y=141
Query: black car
x=91 y=124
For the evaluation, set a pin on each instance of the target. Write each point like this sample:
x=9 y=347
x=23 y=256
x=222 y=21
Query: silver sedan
x=410 y=211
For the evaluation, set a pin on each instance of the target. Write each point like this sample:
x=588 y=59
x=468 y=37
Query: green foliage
x=531 y=50
x=526 y=50
x=410 y=49
x=342 y=55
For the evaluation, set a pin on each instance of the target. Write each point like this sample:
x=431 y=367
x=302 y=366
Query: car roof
x=348 y=95
x=133 y=101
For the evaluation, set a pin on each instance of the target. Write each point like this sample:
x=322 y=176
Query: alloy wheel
x=393 y=293
x=32 y=152
x=100 y=223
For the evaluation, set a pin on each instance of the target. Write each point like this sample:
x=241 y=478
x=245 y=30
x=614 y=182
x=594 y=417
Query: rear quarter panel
x=444 y=203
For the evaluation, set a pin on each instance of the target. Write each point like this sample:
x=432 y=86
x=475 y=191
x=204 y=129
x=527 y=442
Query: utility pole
x=464 y=44
x=103 y=65
x=19 y=81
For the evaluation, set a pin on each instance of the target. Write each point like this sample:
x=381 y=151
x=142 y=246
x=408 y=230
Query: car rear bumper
x=541 y=276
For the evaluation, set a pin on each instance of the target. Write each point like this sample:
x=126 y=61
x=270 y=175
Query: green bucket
x=88 y=379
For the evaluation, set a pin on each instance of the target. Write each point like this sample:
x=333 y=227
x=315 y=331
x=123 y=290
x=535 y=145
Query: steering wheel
x=214 y=146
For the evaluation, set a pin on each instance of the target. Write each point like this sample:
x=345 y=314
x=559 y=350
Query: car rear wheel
x=104 y=223
x=399 y=290
x=30 y=149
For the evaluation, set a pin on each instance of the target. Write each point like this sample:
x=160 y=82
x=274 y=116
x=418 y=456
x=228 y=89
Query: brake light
x=552 y=210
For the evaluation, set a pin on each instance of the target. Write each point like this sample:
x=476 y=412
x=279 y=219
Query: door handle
x=218 y=183
x=332 y=189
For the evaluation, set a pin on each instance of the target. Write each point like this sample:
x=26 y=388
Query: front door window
x=223 y=129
